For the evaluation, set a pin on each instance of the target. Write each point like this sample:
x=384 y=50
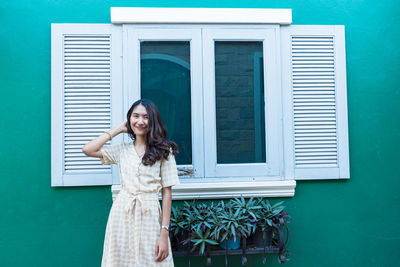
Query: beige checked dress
x=134 y=222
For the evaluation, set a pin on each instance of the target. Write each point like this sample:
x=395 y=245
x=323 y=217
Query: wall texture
x=335 y=223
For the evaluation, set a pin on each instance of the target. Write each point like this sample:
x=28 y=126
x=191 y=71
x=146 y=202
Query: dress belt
x=136 y=202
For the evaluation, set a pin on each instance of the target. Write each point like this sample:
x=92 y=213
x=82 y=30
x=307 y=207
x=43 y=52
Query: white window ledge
x=183 y=191
x=121 y=15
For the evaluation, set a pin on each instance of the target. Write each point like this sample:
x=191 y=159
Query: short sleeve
x=111 y=153
x=169 y=172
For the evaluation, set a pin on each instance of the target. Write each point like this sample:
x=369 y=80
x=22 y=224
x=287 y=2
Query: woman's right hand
x=122 y=127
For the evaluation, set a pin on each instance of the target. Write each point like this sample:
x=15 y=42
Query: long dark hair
x=158 y=145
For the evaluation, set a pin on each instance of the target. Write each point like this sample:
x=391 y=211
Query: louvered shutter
x=85 y=86
x=315 y=102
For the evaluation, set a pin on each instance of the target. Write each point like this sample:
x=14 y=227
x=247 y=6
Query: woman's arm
x=166 y=208
x=92 y=149
x=162 y=242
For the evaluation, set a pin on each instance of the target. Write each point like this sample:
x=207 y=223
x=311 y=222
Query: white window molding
x=219 y=190
x=120 y=15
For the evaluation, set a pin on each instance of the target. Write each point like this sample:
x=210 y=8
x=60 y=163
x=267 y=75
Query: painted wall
x=335 y=223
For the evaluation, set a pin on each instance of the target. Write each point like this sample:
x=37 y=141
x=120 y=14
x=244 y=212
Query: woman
x=137 y=233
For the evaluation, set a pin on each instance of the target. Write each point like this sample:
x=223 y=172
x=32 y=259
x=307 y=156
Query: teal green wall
x=335 y=223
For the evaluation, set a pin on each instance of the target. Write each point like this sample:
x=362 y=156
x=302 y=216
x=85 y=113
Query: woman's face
x=140 y=120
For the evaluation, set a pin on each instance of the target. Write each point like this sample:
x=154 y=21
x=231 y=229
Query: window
x=252 y=106
x=240 y=88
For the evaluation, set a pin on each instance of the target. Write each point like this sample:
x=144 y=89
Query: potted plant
x=201 y=240
x=182 y=222
x=235 y=226
x=265 y=222
x=249 y=209
x=177 y=231
x=201 y=224
x=217 y=222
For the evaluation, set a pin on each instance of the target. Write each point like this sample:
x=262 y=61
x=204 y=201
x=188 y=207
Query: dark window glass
x=240 y=108
x=165 y=79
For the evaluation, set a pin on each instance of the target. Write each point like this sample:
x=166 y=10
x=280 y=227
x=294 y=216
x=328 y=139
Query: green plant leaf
x=203 y=245
x=212 y=242
x=233 y=231
x=277 y=204
x=197 y=241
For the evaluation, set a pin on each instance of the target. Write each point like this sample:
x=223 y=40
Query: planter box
x=271 y=242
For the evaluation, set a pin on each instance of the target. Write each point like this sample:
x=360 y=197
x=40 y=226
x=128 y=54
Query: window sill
x=218 y=190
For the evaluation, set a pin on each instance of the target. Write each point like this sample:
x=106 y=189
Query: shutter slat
x=81 y=134
x=314 y=92
x=96 y=54
x=310 y=163
x=81 y=164
x=310 y=127
x=71 y=108
x=316 y=140
x=90 y=168
x=80 y=158
x=86 y=122
x=91 y=130
x=103 y=83
x=88 y=77
x=86 y=71
x=88 y=116
x=87 y=86
x=99 y=100
x=86 y=57
x=86 y=64
x=313 y=116
x=303 y=53
x=87 y=94
x=82 y=139
x=312 y=131
x=312 y=71
x=97 y=127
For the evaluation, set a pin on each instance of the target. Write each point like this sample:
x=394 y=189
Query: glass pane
x=165 y=79
x=240 y=108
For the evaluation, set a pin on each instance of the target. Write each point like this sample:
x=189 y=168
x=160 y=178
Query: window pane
x=165 y=79
x=239 y=102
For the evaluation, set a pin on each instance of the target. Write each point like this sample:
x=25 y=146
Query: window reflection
x=165 y=79
x=240 y=106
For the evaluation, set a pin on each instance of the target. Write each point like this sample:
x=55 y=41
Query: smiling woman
x=134 y=235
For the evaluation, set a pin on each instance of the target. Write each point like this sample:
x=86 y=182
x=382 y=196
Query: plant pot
x=261 y=239
x=231 y=243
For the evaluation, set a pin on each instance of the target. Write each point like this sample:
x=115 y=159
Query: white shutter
x=315 y=102
x=84 y=61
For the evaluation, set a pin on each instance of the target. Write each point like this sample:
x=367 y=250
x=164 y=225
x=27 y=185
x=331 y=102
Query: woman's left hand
x=162 y=248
